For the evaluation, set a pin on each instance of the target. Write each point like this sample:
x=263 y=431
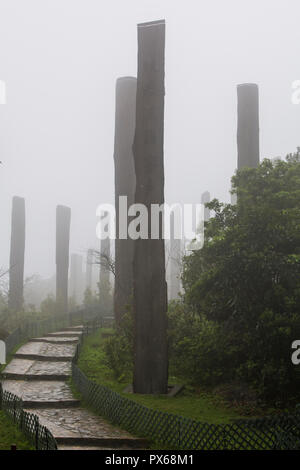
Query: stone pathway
x=38 y=374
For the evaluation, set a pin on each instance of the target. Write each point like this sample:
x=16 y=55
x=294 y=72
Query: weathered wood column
x=63 y=221
x=104 y=282
x=124 y=186
x=105 y=259
x=89 y=269
x=17 y=255
x=76 y=275
x=248 y=125
x=150 y=290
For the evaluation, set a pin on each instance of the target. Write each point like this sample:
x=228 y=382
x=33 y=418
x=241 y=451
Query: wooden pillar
x=63 y=221
x=105 y=258
x=124 y=186
x=17 y=255
x=76 y=278
x=248 y=125
x=150 y=290
x=89 y=269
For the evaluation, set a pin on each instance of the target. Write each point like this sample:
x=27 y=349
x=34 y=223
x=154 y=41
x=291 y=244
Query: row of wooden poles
x=139 y=175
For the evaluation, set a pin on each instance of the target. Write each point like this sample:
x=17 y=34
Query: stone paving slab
x=18 y=366
x=42 y=350
x=75 y=328
x=56 y=339
x=78 y=424
x=50 y=368
x=32 y=348
x=54 y=392
x=27 y=369
x=66 y=334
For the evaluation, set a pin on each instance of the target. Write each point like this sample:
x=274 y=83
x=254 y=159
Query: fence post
x=36 y=423
x=14 y=408
x=47 y=444
x=224 y=438
x=21 y=417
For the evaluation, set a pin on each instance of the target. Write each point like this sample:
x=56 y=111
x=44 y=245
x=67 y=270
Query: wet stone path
x=39 y=374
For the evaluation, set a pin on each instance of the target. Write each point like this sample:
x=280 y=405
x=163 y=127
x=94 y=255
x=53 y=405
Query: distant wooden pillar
x=89 y=269
x=248 y=125
x=76 y=277
x=104 y=283
x=105 y=258
x=150 y=290
x=63 y=221
x=124 y=186
x=17 y=255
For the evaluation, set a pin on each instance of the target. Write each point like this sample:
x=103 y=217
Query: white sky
x=60 y=60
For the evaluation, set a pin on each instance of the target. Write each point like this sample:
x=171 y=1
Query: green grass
x=9 y=432
x=199 y=405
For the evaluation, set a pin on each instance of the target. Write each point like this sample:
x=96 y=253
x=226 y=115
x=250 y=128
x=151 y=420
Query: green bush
x=246 y=282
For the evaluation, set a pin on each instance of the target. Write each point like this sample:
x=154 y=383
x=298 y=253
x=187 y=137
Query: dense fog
x=60 y=61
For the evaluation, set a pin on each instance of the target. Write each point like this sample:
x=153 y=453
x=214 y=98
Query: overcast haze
x=60 y=60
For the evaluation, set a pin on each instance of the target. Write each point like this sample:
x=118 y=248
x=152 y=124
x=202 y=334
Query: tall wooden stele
x=63 y=221
x=150 y=289
x=248 y=125
x=17 y=255
x=124 y=186
x=76 y=276
x=89 y=269
x=105 y=258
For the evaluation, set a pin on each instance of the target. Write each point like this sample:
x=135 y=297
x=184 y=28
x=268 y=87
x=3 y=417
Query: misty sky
x=60 y=60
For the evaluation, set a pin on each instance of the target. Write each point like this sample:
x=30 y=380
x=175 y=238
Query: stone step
x=56 y=340
x=54 y=377
x=38 y=357
x=20 y=369
x=65 y=334
x=39 y=350
x=78 y=426
x=56 y=404
x=40 y=391
x=76 y=328
x=104 y=443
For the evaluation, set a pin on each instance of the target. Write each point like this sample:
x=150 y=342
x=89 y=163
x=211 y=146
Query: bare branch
x=104 y=260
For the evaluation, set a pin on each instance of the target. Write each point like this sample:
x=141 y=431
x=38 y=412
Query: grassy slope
x=10 y=434
x=200 y=406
